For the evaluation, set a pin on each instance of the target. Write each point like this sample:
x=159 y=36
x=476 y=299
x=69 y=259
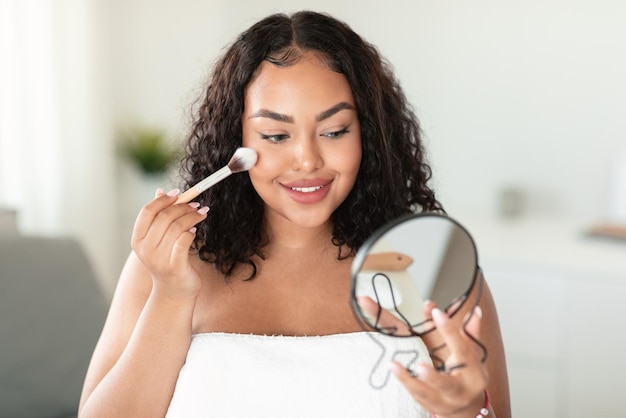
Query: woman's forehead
x=308 y=81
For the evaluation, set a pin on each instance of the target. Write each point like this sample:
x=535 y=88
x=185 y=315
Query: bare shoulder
x=132 y=291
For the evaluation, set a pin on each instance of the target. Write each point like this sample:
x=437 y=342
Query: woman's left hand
x=457 y=391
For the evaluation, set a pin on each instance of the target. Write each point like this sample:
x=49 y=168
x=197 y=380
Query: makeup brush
x=242 y=160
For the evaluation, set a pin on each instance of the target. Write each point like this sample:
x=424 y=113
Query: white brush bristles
x=243 y=160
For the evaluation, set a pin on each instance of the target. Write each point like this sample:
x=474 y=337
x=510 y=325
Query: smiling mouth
x=306 y=189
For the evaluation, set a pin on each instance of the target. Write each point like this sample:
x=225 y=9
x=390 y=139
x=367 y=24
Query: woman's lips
x=307 y=191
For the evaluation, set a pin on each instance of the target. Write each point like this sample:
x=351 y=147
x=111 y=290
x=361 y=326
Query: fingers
x=382 y=318
x=433 y=390
x=414 y=383
x=162 y=232
x=448 y=331
x=439 y=393
x=173 y=222
x=180 y=248
x=460 y=388
x=425 y=382
x=454 y=337
x=429 y=305
x=427 y=310
x=149 y=212
x=455 y=306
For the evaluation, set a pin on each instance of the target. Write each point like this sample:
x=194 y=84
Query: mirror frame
x=363 y=251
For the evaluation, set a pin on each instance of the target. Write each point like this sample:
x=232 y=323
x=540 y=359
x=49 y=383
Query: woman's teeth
x=306 y=189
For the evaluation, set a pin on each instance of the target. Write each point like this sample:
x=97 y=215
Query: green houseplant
x=149 y=150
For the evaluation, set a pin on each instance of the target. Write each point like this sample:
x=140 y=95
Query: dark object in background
x=51 y=314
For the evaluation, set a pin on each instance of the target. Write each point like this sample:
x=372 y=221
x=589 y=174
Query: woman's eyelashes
x=336 y=134
x=274 y=137
x=282 y=137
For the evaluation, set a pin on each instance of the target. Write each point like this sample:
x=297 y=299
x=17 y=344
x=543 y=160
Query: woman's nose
x=307 y=156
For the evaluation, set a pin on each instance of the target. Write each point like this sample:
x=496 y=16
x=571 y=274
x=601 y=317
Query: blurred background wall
x=527 y=96
x=522 y=107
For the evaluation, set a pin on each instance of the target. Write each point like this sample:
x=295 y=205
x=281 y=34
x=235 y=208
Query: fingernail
x=420 y=370
x=194 y=205
x=203 y=210
x=158 y=192
x=439 y=316
x=395 y=367
x=193 y=229
x=478 y=311
x=173 y=192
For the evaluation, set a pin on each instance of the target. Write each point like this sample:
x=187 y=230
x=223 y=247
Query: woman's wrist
x=167 y=298
x=169 y=289
x=484 y=411
x=472 y=411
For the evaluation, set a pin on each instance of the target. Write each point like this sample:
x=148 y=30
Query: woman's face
x=302 y=121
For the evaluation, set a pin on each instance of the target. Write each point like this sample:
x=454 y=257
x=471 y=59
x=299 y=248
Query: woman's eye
x=336 y=134
x=274 y=138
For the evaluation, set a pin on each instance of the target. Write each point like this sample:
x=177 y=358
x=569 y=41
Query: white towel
x=238 y=375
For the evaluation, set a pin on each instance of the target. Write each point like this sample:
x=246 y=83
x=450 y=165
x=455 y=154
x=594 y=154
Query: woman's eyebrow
x=281 y=117
x=336 y=108
x=264 y=113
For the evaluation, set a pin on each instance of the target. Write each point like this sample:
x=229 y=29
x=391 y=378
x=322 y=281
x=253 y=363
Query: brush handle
x=200 y=187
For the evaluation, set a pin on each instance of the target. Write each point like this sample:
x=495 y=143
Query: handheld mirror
x=412 y=259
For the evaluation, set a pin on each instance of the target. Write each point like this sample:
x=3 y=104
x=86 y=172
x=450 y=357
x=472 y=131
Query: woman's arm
x=461 y=391
x=143 y=345
x=491 y=336
x=146 y=336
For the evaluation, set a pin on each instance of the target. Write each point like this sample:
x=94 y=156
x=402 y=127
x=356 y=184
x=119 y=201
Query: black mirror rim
x=359 y=259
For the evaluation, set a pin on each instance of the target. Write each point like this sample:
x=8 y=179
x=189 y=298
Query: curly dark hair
x=393 y=176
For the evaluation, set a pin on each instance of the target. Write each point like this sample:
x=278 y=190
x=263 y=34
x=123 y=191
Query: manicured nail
x=478 y=311
x=420 y=370
x=193 y=229
x=439 y=317
x=158 y=192
x=194 y=205
x=395 y=368
x=203 y=210
x=173 y=192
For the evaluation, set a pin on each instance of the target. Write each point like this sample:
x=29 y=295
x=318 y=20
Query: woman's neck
x=285 y=236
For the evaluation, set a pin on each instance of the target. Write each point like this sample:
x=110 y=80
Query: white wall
x=56 y=159
x=529 y=94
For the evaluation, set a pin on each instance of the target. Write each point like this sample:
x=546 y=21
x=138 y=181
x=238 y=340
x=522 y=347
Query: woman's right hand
x=162 y=238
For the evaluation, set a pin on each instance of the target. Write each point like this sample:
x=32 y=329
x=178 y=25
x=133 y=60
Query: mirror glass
x=410 y=260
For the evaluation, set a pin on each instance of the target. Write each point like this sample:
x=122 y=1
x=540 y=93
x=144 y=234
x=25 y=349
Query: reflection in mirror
x=412 y=259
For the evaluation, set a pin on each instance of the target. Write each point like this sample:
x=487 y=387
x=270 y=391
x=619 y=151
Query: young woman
x=243 y=310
